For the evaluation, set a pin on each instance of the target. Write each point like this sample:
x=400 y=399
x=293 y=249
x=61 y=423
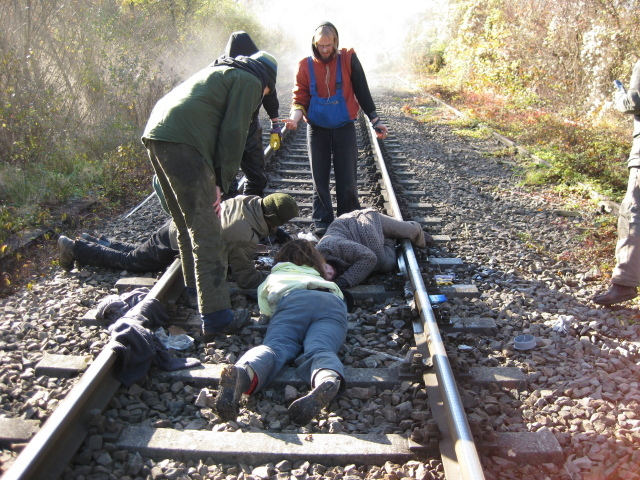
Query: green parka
x=210 y=111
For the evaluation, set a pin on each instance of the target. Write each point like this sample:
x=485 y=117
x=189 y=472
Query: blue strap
x=313 y=88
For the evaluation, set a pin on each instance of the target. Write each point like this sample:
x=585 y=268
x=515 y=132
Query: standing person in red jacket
x=330 y=88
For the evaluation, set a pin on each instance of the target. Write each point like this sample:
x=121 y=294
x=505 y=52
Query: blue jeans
x=312 y=336
x=340 y=146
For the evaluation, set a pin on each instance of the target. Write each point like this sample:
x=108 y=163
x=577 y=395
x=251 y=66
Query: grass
x=579 y=154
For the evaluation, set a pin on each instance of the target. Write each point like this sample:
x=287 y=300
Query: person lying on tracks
x=308 y=324
x=195 y=137
x=362 y=242
x=245 y=219
x=330 y=88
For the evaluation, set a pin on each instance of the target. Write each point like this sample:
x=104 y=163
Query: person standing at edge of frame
x=252 y=164
x=625 y=278
x=330 y=88
x=195 y=137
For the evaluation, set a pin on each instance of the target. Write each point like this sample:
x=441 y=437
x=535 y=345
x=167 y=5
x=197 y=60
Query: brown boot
x=304 y=409
x=616 y=294
x=234 y=381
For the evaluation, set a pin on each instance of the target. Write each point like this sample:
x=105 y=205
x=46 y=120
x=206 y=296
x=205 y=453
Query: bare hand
x=381 y=131
x=290 y=123
x=217 y=205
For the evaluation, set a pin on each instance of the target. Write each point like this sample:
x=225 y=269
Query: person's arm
x=301 y=96
x=362 y=261
x=271 y=105
x=629 y=102
x=242 y=265
x=363 y=94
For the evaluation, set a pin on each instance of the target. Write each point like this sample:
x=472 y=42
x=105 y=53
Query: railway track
x=414 y=366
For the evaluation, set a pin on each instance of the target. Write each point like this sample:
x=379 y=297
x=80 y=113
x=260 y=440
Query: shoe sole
x=305 y=409
x=66 y=259
x=226 y=403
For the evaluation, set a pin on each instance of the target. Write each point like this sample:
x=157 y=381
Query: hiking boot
x=234 y=381
x=305 y=409
x=240 y=320
x=616 y=294
x=66 y=247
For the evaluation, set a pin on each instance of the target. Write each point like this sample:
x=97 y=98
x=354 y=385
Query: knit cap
x=279 y=208
x=270 y=65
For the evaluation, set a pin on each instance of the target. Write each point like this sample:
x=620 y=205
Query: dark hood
x=240 y=43
x=316 y=53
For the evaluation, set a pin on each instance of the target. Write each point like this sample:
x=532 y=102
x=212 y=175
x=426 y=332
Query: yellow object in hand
x=275 y=141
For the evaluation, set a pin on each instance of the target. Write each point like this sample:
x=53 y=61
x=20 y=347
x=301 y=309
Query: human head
x=325 y=34
x=301 y=252
x=240 y=43
x=279 y=208
x=271 y=66
x=332 y=269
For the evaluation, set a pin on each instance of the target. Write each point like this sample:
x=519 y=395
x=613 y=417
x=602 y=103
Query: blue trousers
x=340 y=147
x=309 y=326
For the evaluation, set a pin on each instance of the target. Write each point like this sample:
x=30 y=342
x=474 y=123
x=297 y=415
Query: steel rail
x=52 y=448
x=465 y=450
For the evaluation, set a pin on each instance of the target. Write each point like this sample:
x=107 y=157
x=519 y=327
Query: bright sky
x=374 y=28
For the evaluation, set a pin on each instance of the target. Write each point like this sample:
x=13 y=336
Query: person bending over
x=195 y=137
x=312 y=336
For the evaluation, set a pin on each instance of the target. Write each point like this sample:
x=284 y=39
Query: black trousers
x=153 y=255
x=252 y=164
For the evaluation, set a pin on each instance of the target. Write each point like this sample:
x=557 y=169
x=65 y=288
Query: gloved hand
x=282 y=237
x=276 y=138
x=341 y=282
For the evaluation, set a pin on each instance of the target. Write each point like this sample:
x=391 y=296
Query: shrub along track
x=581 y=387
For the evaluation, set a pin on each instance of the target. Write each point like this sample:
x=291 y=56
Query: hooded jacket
x=241 y=43
x=211 y=111
x=355 y=88
x=354 y=241
x=629 y=102
x=243 y=225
